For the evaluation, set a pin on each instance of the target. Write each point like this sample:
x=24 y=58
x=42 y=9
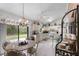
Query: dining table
x=16 y=46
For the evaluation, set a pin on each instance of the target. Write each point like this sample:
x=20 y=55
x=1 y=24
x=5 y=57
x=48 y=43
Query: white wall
x=2 y=35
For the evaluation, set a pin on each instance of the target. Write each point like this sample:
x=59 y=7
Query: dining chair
x=13 y=52
x=33 y=50
x=5 y=44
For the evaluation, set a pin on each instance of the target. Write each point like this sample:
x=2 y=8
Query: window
x=22 y=32
x=12 y=32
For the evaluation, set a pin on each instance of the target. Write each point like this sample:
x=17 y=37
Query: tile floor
x=46 y=48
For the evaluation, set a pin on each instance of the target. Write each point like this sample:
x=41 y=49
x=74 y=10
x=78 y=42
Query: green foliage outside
x=12 y=32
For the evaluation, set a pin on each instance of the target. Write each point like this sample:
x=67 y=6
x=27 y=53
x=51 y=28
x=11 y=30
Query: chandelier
x=23 y=20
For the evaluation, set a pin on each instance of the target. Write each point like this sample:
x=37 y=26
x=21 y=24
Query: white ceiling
x=32 y=10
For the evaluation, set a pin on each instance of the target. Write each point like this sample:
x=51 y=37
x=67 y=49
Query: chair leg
x=36 y=53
